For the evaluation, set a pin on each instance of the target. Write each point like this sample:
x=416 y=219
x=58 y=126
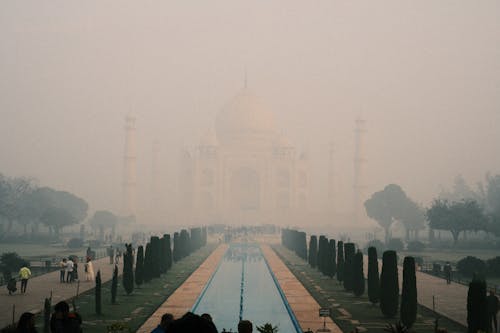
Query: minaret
x=331 y=178
x=129 y=169
x=359 y=166
x=155 y=197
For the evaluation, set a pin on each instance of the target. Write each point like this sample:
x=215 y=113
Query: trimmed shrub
x=313 y=251
x=168 y=253
x=389 y=285
x=156 y=253
x=373 y=276
x=332 y=258
x=349 y=251
x=468 y=266
x=148 y=262
x=128 y=270
x=323 y=254
x=340 y=261
x=415 y=246
x=139 y=266
x=301 y=249
x=46 y=315
x=408 y=312
x=97 y=291
x=114 y=285
x=477 y=318
x=395 y=244
x=177 y=246
x=75 y=243
x=358 y=283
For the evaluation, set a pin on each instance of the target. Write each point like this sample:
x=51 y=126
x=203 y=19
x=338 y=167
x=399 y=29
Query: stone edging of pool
x=182 y=300
x=303 y=305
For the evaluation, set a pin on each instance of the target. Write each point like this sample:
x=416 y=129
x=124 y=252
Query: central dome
x=245 y=118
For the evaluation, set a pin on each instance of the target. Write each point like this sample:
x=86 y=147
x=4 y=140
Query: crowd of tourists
x=191 y=322
x=68 y=270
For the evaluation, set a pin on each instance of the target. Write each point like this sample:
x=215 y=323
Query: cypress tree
x=148 y=262
x=46 y=315
x=332 y=259
x=389 y=285
x=373 y=277
x=358 y=276
x=177 y=246
x=340 y=261
x=185 y=244
x=114 y=285
x=302 y=245
x=128 y=270
x=477 y=319
x=408 y=310
x=313 y=251
x=203 y=236
x=168 y=254
x=156 y=256
x=97 y=290
x=139 y=266
x=349 y=252
x=163 y=258
x=321 y=252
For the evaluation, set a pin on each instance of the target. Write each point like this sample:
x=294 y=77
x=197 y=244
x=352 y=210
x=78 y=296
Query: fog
x=425 y=75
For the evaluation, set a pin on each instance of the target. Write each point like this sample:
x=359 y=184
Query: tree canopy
x=456 y=217
x=386 y=206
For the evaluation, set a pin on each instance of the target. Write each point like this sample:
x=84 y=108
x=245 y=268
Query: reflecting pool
x=243 y=287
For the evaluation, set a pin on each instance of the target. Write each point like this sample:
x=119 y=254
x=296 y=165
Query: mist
x=424 y=75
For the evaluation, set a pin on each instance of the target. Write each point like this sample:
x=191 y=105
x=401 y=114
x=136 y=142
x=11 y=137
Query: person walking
x=447 y=272
x=69 y=270
x=492 y=301
x=62 y=270
x=11 y=285
x=24 y=275
x=89 y=270
x=111 y=254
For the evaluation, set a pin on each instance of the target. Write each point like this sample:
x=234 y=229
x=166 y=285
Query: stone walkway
x=41 y=286
x=183 y=299
x=450 y=299
x=303 y=305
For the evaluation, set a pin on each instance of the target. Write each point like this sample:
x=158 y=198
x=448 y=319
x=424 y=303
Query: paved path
x=450 y=299
x=41 y=286
x=183 y=299
x=303 y=305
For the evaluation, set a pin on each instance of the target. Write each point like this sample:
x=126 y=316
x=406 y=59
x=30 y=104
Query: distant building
x=244 y=171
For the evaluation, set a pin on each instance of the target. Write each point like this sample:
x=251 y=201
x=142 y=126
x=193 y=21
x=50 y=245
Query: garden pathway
x=183 y=299
x=41 y=286
x=303 y=305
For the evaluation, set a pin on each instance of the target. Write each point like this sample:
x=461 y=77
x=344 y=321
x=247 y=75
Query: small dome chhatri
x=245 y=116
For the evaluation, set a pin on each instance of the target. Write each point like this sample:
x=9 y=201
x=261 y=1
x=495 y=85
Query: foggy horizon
x=425 y=76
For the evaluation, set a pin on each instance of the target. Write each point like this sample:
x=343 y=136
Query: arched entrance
x=245 y=189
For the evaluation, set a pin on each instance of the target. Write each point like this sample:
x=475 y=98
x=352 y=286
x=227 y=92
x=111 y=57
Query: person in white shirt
x=69 y=270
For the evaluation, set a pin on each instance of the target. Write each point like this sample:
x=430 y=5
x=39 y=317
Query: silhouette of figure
x=492 y=301
x=245 y=326
x=26 y=323
x=165 y=323
x=63 y=321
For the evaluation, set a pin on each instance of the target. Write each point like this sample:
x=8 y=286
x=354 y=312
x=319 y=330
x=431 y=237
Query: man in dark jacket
x=63 y=321
x=492 y=301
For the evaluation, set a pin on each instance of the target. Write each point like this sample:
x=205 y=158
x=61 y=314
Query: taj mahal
x=244 y=171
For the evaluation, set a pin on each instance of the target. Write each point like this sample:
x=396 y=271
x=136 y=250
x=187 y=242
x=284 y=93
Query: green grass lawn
x=351 y=312
x=136 y=308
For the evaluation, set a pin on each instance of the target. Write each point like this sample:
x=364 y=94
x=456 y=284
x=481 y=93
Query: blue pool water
x=243 y=287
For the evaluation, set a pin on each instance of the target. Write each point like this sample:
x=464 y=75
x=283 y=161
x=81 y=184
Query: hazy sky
x=424 y=74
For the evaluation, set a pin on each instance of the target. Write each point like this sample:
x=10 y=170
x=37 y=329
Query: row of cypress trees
x=347 y=264
x=154 y=259
x=295 y=241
